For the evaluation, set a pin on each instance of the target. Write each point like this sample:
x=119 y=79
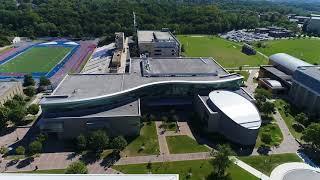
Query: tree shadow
x=214 y=176
x=264 y=150
x=90 y=157
x=25 y=162
x=109 y=160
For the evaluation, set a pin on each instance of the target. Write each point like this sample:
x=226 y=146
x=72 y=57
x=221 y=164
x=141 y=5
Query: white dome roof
x=237 y=108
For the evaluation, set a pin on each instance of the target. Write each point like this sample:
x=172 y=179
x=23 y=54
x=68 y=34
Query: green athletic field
x=305 y=49
x=227 y=53
x=36 y=59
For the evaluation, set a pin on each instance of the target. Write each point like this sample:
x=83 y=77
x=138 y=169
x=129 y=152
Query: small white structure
x=295 y=171
x=16 y=40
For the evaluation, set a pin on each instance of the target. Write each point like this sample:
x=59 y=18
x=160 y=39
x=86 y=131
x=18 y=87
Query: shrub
x=28 y=80
x=35 y=147
x=17 y=114
x=77 y=168
x=119 y=143
x=20 y=150
x=298 y=127
x=4 y=150
x=266 y=138
x=33 y=109
x=81 y=143
x=98 y=141
x=30 y=91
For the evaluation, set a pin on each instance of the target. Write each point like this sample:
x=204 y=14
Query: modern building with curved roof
x=287 y=63
x=112 y=101
x=231 y=114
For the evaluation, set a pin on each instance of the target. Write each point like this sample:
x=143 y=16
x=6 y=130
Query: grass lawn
x=288 y=118
x=36 y=59
x=227 y=53
x=49 y=171
x=305 y=49
x=200 y=169
x=145 y=144
x=266 y=164
x=184 y=144
x=274 y=130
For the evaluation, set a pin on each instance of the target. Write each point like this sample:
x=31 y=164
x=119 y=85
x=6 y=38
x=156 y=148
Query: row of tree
x=95 y=18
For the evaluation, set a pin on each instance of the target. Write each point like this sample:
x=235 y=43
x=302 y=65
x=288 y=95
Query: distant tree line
x=96 y=18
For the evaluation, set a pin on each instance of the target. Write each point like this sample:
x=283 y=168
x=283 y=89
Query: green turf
x=200 y=169
x=274 y=130
x=305 y=49
x=227 y=53
x=266 y=164
x=48 y=171
x=184 y=144
x=36 y=59
x=145 y=144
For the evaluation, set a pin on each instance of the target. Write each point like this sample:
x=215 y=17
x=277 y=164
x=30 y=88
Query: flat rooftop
x=153 y=36
x=79 y=86
x=181 y=67
x=277 y=72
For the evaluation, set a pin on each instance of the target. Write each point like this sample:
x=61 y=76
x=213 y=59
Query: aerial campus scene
x=167 y=89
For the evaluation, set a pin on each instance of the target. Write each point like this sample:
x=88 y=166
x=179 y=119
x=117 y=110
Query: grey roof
x=288 y=62
x=181 y=67
x=80 y=86
x=277 y=72
x=5 y=86
x=309 y=77
x=150 y=36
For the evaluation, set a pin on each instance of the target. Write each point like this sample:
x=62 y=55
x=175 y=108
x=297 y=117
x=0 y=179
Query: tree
x=44 y=81
x=77 y=168
x=302 y=118
x=33 y=109
x=28 y=80
x=267 y=107
x=119 y=143
x=16 y=115
x=266 y=137
x=35 y=147
x=312 y=135
x=221 y=160
x=81 y=143
x=3 y=117
x=98 y=141
x=149 y=166
x=29 y=91
x=20 y=150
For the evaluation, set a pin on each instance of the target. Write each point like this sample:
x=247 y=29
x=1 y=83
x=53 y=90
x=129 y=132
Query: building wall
x=159 y=49
x=216 y=121
x=305 y=98
x=15 y=89
x=314 y=26
x=114 y=126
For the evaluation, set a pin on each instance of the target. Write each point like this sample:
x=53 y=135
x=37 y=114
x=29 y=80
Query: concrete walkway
x=251 y=85
x=164 y=150
x=289 y=144
x=250 y=169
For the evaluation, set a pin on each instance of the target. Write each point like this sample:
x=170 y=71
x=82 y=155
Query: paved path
x=289 y=144
x=250 y=169
x=164 y=150
x=251 y=86
x=14 y=136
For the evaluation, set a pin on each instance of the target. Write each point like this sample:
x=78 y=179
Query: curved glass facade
x=161 y=89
